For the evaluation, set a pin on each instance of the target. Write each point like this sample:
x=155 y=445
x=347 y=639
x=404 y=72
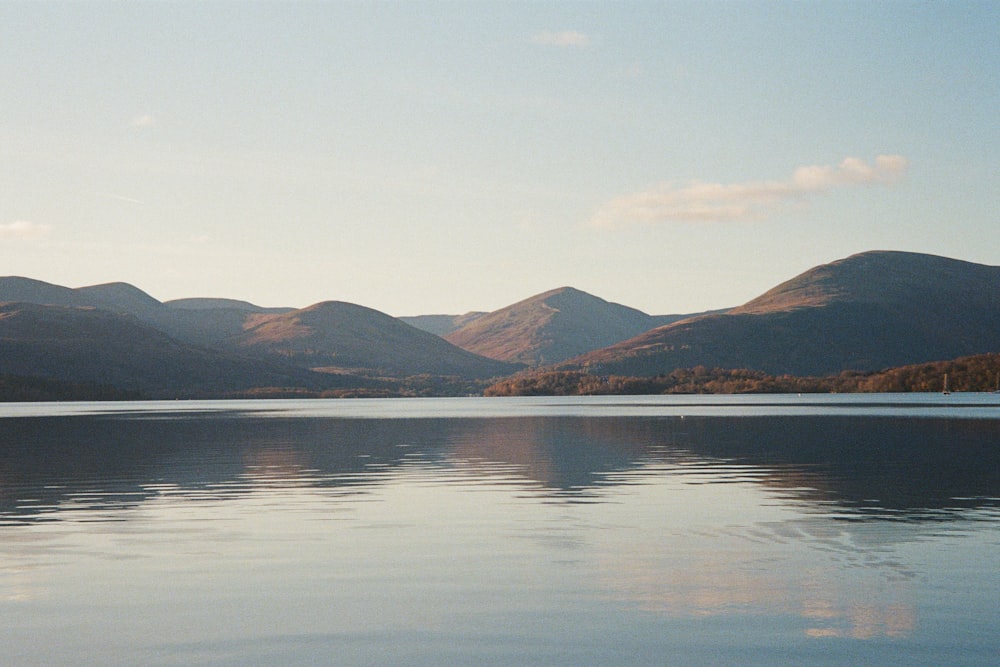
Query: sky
x=445 y=157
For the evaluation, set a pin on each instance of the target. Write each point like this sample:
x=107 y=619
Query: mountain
x=196 y=338
x=204 y=303
x=334 y=334
x=441 y=325
x=89 y=345
x=869 y=311
x=117 y=297
x=198 y=321
x=550 y=327
x=206 y=321
x=28 y=290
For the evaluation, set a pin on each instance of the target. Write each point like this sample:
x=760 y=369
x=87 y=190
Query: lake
x=715 y=530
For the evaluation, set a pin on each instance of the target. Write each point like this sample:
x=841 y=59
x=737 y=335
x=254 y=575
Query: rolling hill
x=550 y=327
x=29 y=290
x=118 y=297
x=89 y=345
x=200 y=321
x=117 y=334
x=206 y=321
x=338 y=335
x=869 y=311
x=205 y=303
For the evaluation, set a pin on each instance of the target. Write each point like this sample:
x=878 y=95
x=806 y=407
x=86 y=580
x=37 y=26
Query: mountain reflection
x=825 y=526
x=901 y=468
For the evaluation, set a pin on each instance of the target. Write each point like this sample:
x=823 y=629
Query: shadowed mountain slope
x=118 y=297
x=550 y=327
x=199 y=321
x=441 y=325
x=207 y=321
x=334 y=334
x=28 y=290
x=866 y=312
x=205 y=303
x=96 y=346
x=329 y=334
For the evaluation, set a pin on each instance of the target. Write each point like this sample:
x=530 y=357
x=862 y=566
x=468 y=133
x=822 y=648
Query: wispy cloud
x=698 y=201
x=22 y=230
x=123 y=198
x=561 y=38
x=143 y=120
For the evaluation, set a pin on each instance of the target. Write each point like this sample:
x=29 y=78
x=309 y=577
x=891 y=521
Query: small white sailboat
x=945 y=391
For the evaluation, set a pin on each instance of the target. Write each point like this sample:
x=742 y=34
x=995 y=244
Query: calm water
x=598 y=531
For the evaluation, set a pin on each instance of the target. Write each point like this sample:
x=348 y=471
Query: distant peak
x=117 y=294
x=876 y=276
x=334 y=305
x=563 y=292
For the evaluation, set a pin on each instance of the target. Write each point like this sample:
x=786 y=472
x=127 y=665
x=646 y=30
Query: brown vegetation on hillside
x=866 y=312
x=335 y=334
x=550 y=327
x=976 y=373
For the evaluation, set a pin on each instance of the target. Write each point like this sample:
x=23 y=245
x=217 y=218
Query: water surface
x=626 y=530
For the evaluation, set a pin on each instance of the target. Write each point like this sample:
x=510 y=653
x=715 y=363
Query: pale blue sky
x=426 y=157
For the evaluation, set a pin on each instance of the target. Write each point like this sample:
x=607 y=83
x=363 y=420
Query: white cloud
x=698 y=201
x=563 y=38
x=23 y=230
x=144 y=120
x=123 y=198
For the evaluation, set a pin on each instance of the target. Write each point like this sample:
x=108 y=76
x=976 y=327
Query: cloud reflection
x=738 y=573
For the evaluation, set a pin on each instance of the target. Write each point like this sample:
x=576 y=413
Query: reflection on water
x=213 y=535
x=893 y=468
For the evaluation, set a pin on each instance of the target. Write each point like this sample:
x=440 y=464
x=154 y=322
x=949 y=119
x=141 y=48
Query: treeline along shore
x=976 y=373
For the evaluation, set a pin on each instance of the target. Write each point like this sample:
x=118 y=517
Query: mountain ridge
x=865 y=312
x=550 y=327
x=86 y=344
x=337 y=334
x=215 y=331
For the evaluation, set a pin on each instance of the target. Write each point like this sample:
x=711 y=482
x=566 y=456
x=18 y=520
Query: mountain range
x=552 y=327
x=116 y=334
x=869 y=311
x=865 y=312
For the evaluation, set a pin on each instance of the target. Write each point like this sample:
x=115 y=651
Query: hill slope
x=117 y=334
x=198 y=321
x=205 y=303
x=206 y=321
x=117 y=297
x=866 y=312
x=550 y=327
x=95 y=346
x=344 y=335
x=441 y=325
x=29 y=290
